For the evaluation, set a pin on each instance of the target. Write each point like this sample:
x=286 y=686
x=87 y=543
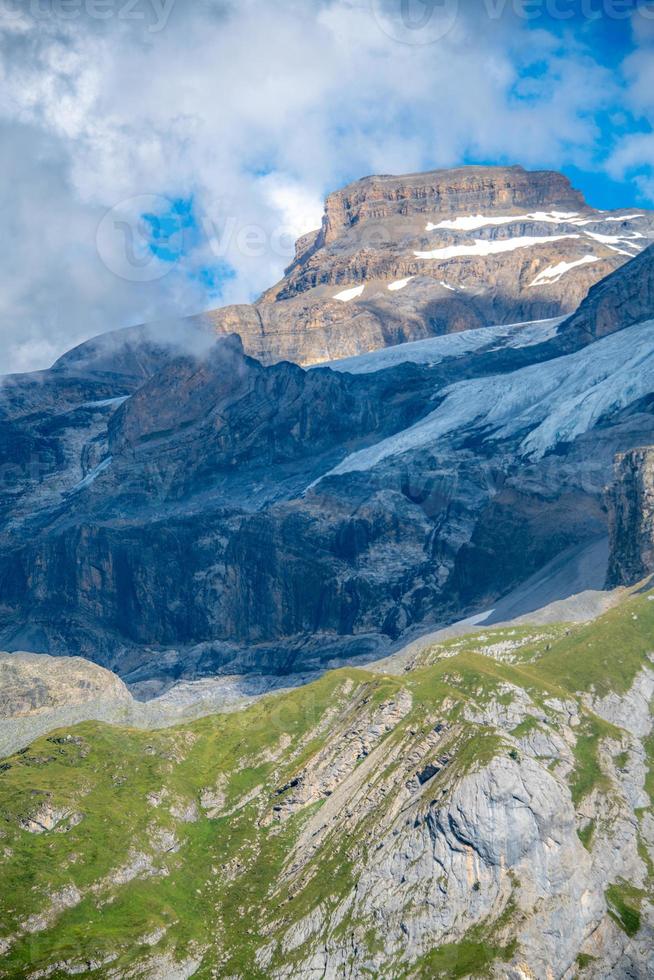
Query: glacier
x=543 y=404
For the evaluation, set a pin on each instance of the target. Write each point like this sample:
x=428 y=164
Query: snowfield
x=474 y=221
x=482 y=247
x=552 y=402
x=349 y=294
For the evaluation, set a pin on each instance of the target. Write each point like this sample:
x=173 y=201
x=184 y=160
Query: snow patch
x=481 y=247
x=106 y=402
x=617 y=243
x=555 y=272
x=349 y=294
x=625 y=217
x=400 y=284
x=474 y=221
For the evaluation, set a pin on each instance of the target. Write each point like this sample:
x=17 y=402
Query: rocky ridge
x=614 y=303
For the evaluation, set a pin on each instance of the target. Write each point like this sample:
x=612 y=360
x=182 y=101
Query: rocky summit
x=331 y=617
x=405 y=258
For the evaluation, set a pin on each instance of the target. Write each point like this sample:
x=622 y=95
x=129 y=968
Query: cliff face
x=622 y=299
x=177 y=515
x=405 y=258
x=230 y=517
x=465 y=190
x=631 y=517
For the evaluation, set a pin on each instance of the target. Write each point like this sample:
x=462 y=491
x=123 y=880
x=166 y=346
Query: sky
x=159 y=157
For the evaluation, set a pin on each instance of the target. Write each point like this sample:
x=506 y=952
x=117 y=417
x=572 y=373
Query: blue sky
x=611 y=41
x=159 y=163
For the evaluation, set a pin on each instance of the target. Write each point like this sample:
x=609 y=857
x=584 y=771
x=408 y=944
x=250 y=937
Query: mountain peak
x=447 y=192
x=405 y=258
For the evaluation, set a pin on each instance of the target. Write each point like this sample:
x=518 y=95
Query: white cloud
x=254 y=110
x=299 y=210
x=634 y=151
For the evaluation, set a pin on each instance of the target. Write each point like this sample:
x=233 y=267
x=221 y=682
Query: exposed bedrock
x=631 y=517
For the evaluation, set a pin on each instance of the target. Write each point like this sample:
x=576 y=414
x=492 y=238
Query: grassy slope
x=212 y=891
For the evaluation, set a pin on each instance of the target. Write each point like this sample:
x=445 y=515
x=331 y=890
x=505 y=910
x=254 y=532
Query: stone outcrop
x=39 y=694
x=631 y=517
x=30 y=684
x=622 y=299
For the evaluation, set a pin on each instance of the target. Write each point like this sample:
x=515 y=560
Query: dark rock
x=428 y=773
x=622 y=299
x=631 y=517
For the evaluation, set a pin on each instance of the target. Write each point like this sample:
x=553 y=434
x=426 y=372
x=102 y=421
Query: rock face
x=39 y=694
x=30 y=684
x=452 y=192
x=405 y=258
x=631 y=517
x=180 y=519
x=622 y=299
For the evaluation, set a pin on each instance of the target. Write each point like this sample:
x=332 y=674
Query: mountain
x=173 y=509
x=483 y=809
x=405 y=258
x=343 y=670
